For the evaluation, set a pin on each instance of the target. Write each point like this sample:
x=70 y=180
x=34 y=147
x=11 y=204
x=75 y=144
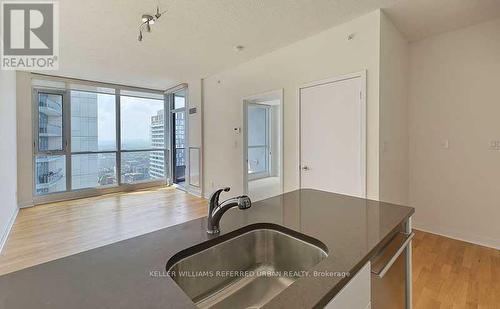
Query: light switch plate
x=495 y=145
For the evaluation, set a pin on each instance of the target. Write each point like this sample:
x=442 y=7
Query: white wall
x=194 y=100
x=195 y=138
x=321 y=56
x=453 y=95
x=8 y=152
x=394 y=51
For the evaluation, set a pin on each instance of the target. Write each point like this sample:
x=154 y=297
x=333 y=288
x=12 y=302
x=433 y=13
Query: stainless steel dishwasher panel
x=389 y=274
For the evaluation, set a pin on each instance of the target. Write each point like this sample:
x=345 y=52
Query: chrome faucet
x=216 y=210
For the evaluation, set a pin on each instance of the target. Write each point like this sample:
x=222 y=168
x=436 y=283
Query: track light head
x=148 y=20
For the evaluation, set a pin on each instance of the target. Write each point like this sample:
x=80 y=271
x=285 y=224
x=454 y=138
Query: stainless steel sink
x=246 y=270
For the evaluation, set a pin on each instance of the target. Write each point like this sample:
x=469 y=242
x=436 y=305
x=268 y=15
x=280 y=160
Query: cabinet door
x=356 y=294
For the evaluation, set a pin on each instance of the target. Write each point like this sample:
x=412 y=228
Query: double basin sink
x=245 y=268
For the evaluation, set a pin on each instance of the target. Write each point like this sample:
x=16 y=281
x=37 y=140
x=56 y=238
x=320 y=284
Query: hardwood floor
x=55 y=230
x=447 y=273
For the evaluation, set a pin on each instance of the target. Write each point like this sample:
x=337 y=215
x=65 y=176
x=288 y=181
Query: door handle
x=305 y=168
x=380 y=273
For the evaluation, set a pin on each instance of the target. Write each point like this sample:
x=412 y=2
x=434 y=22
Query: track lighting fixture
x=147 y=20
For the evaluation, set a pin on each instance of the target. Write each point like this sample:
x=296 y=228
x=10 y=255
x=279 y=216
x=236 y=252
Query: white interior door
x=332 y=136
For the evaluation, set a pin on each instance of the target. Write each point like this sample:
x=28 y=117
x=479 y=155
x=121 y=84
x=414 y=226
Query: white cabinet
x=356 y=294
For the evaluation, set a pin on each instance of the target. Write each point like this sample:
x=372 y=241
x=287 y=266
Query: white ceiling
x=418 y=19
x=196 y=38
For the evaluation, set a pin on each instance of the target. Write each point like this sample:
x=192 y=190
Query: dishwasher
x=391 y=272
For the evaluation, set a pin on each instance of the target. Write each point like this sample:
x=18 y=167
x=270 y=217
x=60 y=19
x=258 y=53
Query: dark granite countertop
x=128 y=274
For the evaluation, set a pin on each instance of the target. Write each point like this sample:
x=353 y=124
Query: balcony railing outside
x=50 y=177
x=50 y=129
x=180 y=164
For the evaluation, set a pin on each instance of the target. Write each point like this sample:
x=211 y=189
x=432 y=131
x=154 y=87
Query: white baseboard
x=189 y=189
x=474 y=239
x=26 y=204
x=3 y=238
x=194 y=191
x=197 y=194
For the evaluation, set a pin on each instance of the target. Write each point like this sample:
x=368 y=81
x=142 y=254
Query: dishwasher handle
x=381 y=273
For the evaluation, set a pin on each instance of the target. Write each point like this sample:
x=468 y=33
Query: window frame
x=71 y=193
x=120 y=150
x=266 y=146
x=36 y=121
x=170 y=97
x=36 y=135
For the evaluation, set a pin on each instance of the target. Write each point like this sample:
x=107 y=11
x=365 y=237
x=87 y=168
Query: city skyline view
x=93 y=129
x=137 y=111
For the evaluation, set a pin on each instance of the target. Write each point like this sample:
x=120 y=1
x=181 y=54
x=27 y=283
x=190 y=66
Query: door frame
x=360 y=74
x=262 y=97
x=170 y=160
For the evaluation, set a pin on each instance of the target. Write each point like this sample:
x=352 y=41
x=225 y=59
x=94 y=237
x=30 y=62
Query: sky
x=135 y=116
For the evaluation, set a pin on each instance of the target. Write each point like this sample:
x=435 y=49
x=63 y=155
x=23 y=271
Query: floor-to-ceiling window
x=142 y=139
x=93 y=140
x=97 y=136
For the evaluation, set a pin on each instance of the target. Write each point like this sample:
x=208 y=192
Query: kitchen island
x=132 y=273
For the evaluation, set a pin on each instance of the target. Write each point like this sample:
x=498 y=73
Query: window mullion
x=118 y=137
x=166 y=138
x=67 y=137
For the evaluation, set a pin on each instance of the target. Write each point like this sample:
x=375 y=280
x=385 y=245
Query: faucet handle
x=214 y=198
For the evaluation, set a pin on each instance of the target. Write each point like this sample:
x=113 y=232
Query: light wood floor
x=446 y=273
x=55 y=230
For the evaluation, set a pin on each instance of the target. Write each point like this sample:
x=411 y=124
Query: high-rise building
x=85 y=167
x=157 y=158
x=180 y=147
x=50 y=170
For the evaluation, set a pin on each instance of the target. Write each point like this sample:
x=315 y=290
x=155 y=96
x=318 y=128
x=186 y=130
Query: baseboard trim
x=477 y=240
x=194 y=191
x=6 y=233
x=26 y=204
